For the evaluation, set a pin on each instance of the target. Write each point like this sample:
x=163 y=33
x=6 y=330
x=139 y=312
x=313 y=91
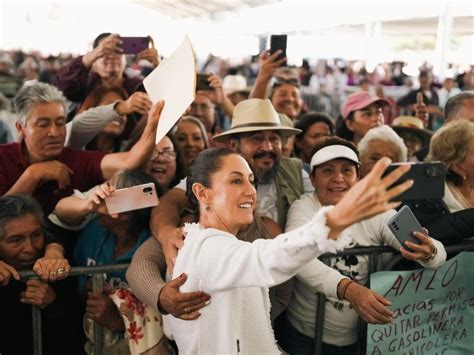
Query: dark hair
x=342 y=130
x=138 y=219
x=99 y=38
x=454 y=103
x=308 y=119
x=17 y=206
x=336 y=141
x=206 y=163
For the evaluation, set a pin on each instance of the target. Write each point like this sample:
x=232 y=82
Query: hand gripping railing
x=373 y=253
x=97 y=283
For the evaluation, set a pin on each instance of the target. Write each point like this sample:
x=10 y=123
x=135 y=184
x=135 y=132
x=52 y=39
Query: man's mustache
x=265 y=155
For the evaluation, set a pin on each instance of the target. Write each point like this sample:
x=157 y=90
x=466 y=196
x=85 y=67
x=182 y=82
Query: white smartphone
x=132 y=198
x=403 y=224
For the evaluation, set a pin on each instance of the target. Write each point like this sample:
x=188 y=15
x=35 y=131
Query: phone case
x=202 y=83
x=132 y=198
x=278 y=42
x=428 y=181
x=402 y=224
x=134 y=45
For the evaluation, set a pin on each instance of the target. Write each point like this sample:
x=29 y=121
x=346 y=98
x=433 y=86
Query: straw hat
x=255 y=115
x=413 y=125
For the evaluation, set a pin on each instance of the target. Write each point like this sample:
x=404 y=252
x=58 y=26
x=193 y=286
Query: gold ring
x=61 y=270
x=53 y=273
x=186 y=310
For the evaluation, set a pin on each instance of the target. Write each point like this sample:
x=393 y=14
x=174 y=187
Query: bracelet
x=341 y=290
x=345 y=289
x=432 y=256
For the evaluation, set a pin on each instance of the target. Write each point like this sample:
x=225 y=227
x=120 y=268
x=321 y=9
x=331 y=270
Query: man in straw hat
x=413 y=133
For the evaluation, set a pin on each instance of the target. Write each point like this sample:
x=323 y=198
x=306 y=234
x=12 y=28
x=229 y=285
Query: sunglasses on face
x=290 y=81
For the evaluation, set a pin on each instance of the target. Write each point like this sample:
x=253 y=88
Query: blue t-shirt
x=96 y=246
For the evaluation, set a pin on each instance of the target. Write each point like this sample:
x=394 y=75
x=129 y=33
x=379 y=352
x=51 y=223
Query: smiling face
x=286 y=99
x=44 y=132
x=331 y=180
x=262 y=149
x=22 y=242
x=162 y=164
x=189 y=140
x=231 y=197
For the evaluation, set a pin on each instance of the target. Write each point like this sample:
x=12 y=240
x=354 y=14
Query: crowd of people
x=254 y=182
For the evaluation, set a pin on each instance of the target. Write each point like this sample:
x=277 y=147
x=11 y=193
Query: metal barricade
x=373 y=253
x=97 y=284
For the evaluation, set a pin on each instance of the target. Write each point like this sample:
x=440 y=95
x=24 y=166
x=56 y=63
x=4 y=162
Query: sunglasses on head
x=290 y=81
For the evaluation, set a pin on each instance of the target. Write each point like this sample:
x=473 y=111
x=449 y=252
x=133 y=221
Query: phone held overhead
x=278 y=42
x=134 y=45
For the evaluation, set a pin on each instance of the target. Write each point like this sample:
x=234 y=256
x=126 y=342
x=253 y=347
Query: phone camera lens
x=147 y=189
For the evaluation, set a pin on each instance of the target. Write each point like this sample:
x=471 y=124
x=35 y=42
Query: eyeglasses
x=168 y=155
x=290 y=81
x=203 y=107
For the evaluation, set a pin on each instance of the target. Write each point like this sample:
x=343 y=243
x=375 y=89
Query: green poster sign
x=434 y=310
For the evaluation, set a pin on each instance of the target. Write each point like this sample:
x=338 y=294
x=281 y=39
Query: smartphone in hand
x=201 y=82
x=132 y=198
x=403 y=224
x=134 y=45
x=428 y=181
x=278 y=42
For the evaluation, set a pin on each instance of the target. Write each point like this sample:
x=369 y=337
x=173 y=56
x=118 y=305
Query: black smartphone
x=134 y=45
x=428 y=181
x=278 y=42
x=403 y=224
x=201 y=82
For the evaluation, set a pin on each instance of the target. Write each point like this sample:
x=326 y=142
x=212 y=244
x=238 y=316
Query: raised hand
x=421 y=111
x=138 y=102
x=107 y=46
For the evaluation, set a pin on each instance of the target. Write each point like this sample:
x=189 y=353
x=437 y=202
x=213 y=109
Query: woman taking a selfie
x=237 y=274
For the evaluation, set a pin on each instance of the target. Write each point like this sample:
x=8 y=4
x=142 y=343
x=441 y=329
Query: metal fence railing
x=373 y=254
x=97 y=283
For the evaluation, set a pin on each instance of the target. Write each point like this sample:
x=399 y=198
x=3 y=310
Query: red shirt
x=84 y=164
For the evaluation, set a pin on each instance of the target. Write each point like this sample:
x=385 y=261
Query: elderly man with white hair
x=379 y=142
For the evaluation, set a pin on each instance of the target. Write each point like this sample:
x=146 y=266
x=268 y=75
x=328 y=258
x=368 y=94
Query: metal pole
x=97 y=286
x=37 y=331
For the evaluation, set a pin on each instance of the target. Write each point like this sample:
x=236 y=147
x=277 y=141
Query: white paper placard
x=173 y=81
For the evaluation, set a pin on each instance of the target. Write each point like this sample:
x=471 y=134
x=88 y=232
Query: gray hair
x=17 y=206
x=31 y=95
x=386 y=134
x=453 y=105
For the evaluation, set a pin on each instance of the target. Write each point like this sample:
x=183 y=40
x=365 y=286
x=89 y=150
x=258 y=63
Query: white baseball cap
x=331 y=152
